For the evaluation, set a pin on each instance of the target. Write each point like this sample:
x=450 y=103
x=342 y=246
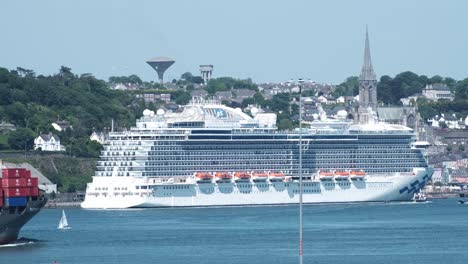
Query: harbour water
x=434 y=232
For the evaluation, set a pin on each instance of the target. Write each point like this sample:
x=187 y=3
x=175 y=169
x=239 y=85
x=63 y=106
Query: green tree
x=285 y=124
x=21 y=138
x=186 y=76
x=350 y=87
x=181 y=97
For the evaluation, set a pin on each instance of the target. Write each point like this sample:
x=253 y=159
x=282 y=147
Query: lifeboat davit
x=357 y=175
x=223 y=176
x=326 y=175
x=203 y=177
x=242 y=176
x=276 y=176
x=259 y=176
x=341 y=175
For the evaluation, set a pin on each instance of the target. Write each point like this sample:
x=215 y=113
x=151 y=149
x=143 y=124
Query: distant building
x=48 y=142
x=61 y=125
x=322 y=99
x=405 y=116
x=242 y=94
x=437 y=91
x=450 y=121
x=199 y=93
x=125 y=86
x=101 y=137
x=410 y=100
x=6 y=128
x=223 y=96
x=451 y=137
x=154 y=97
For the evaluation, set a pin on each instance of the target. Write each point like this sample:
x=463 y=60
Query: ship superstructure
x=178 y=159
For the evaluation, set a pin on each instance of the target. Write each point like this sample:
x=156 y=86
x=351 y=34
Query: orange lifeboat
x=260 y=176
x=276 y=176
x=326 y=175
x=203 y=176
x=223 y=176
x=341 y=175
x=357 y=174
x=242 y=176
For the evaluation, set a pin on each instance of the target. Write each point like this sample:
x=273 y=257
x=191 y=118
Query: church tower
x=367 y=87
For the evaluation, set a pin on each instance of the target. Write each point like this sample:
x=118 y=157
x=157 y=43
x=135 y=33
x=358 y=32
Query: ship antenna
x=300 y=81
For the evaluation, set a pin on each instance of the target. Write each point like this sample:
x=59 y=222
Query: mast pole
x=300 y=170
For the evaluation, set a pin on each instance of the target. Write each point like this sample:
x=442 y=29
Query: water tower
x=160 y=65
x=206 y=71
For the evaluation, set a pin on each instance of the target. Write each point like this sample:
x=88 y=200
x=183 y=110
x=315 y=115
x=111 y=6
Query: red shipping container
x=17 y=182
x=16 y=192
x=32 y=182
x=34 y=191
x=11 y=173
x=25 y=174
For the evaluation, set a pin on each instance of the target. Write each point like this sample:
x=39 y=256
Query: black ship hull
x=12 y=219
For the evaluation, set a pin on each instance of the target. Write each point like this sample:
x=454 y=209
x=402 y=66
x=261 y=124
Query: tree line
x=33 y=102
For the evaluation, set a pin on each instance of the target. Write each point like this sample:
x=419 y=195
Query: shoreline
x=53 y=205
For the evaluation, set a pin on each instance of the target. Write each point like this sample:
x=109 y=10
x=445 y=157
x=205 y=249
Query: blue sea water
x=435 y=232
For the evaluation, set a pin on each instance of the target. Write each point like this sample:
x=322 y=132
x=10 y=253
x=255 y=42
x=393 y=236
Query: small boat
x=276 y=176
x=419 y=197
x=357 y=175
x=341 y=175
x=326 y=175
x=259 y=176
x=463 y=197
x=223 y=177
x=242 y=176
x=63 y=224
x=203 y=177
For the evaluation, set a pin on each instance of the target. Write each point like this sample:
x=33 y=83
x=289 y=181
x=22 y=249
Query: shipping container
x=32 y=182
x=16 y=201
x=25 y=174
x=1 y=202
x=16 y=182
x=12 y=172
x=16 y=191
x=34 y=191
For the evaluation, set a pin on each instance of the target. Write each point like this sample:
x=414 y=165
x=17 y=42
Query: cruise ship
x=209 y=154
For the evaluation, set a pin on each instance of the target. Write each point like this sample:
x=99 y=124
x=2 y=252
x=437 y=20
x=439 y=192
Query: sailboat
x=63 y=224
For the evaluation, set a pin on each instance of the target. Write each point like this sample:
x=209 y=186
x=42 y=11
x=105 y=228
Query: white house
x=437 y=91
x=101 y=137
x=340 y=100
x=322 y=99
x=61 y=125
x=48 y=142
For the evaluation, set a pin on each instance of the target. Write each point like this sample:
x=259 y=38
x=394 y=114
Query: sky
x=266 y=40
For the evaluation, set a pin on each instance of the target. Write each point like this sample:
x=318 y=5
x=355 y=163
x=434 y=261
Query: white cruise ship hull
x=128 y=192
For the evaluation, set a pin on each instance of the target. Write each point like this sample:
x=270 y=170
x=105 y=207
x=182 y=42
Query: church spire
x=367 y=71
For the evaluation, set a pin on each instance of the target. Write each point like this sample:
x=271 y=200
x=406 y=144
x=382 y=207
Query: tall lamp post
x=300 y=81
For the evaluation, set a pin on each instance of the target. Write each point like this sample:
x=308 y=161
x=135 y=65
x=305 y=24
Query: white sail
x=63 y=224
